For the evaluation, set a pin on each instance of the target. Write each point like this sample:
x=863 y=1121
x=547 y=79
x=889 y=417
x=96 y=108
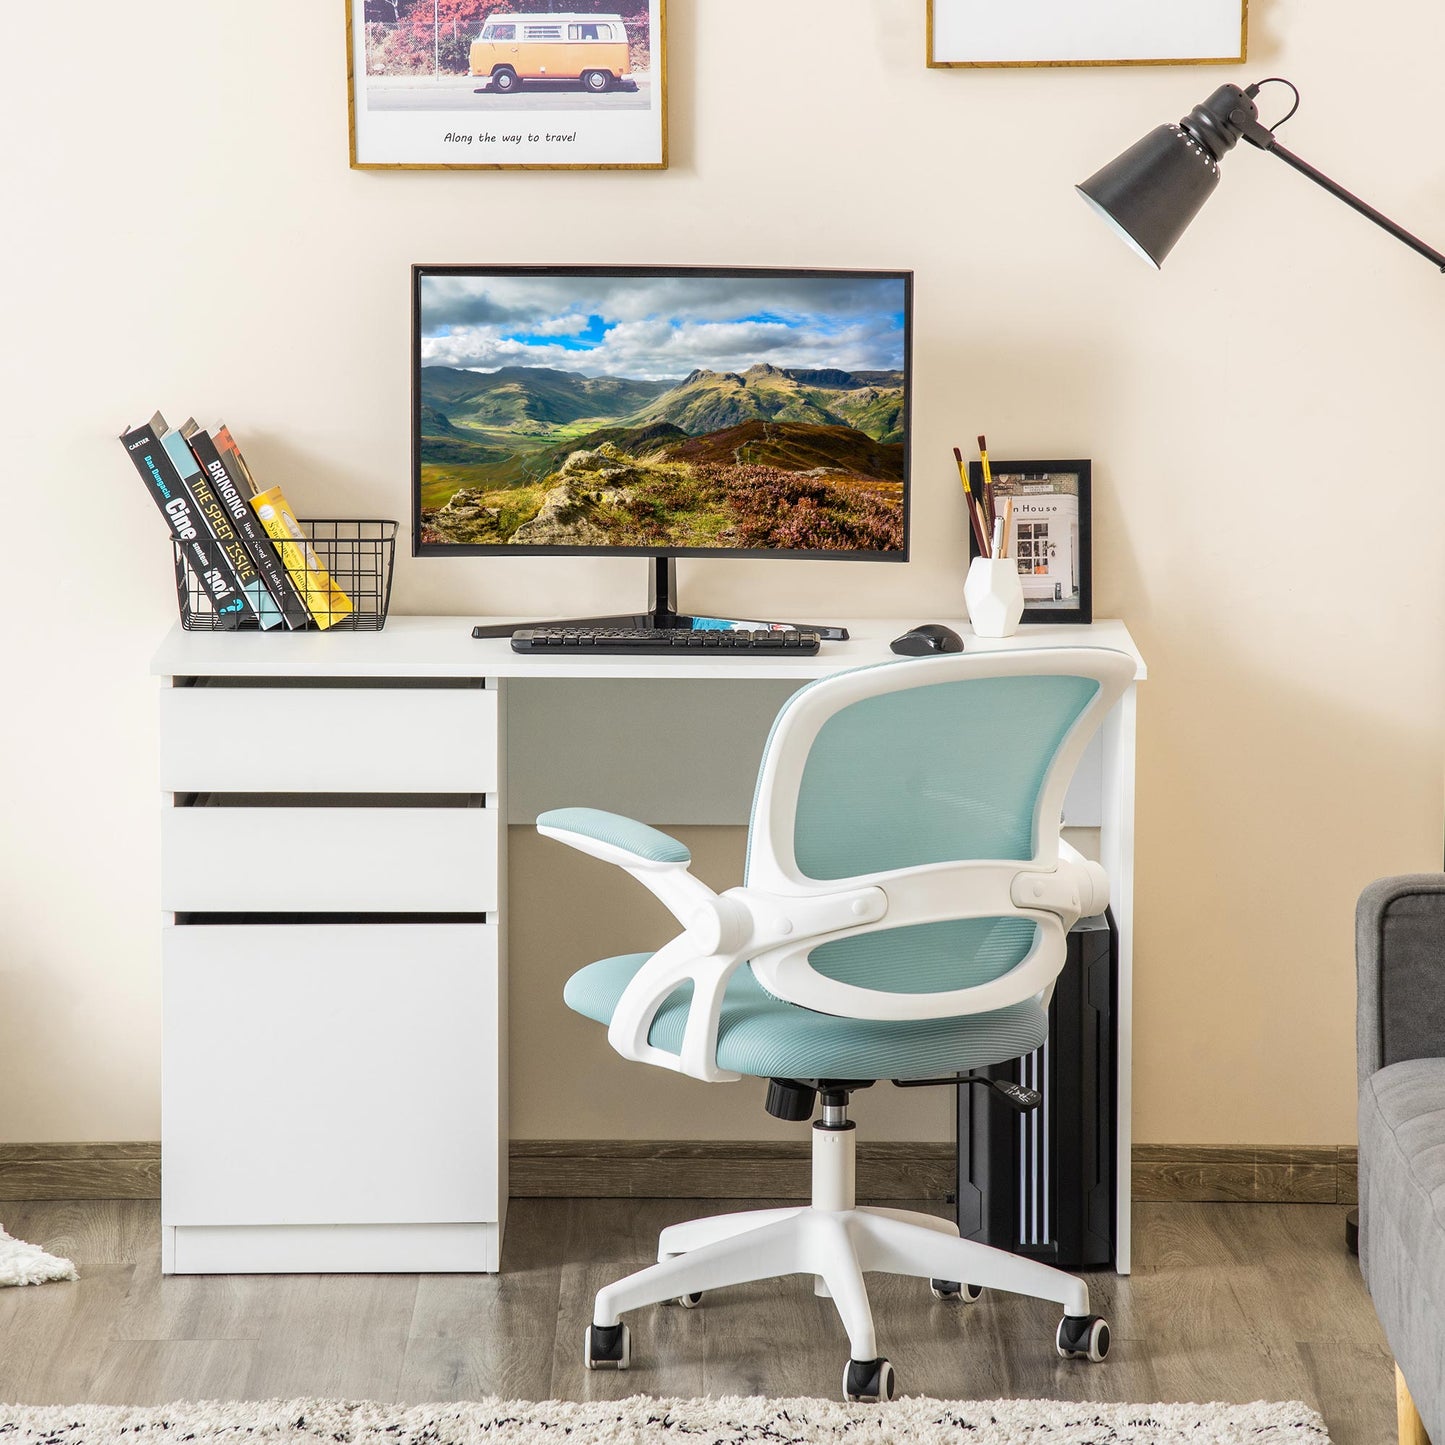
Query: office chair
x=903 y=918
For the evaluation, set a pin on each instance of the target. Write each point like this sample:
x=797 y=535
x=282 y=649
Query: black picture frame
x=1029 y=479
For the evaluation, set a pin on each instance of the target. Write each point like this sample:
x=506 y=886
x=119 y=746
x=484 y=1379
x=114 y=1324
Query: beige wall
x=184 y=232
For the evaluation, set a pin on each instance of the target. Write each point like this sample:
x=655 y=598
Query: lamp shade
x=1152 y=192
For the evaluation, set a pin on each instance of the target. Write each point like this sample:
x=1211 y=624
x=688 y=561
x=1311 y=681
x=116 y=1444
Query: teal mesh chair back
x=928 y=771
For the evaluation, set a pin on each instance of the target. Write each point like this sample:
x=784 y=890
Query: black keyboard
x=674 y=641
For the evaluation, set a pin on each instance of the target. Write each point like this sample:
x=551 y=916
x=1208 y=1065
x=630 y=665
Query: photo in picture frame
x=1102 y=32
x=507 y=84
x=1051 y=538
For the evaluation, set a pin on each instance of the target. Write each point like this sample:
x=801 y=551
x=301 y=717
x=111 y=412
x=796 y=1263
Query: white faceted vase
x=995 y=596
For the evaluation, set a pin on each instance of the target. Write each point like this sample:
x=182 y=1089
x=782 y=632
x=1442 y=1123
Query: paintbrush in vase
x=975 y=515
x=989 y=514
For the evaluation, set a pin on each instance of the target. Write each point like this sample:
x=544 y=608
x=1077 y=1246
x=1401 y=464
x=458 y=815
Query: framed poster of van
x=1099 y=32
x=507 y=84
x=1050 y=538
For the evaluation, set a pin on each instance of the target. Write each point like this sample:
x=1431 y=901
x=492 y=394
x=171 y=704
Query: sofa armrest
x=1400 y=960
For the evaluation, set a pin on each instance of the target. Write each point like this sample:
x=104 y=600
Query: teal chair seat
x=767 y=1038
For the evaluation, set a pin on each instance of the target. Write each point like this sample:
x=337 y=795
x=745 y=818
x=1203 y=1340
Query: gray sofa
x=1400 y=953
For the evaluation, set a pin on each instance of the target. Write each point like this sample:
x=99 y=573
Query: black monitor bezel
x=503 y=549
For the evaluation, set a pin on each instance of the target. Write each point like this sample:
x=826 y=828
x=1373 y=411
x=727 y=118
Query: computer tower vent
x=1042 y=1184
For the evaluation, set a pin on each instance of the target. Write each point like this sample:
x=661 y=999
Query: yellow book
x=326 y=602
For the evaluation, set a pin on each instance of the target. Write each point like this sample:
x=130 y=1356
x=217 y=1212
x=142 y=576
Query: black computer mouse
x=926 y=638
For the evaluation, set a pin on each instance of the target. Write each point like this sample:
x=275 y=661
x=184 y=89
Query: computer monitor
x=661 y=412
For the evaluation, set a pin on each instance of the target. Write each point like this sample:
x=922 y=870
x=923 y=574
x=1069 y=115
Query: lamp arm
x=1258 y=135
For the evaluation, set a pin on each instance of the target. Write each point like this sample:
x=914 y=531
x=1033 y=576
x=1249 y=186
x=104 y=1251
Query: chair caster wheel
x=687 y=1301
x=951 y=1289
x=607 y=1347
x=869 y=1382
x=1083 y=1337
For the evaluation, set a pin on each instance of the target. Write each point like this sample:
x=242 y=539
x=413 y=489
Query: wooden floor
x=1227 y=1302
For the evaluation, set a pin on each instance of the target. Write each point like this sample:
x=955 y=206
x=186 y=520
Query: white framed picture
x=1086 y=32
x=507 y=84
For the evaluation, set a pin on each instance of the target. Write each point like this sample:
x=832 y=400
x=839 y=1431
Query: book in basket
x=229 y=546
x=163 y=483
x=233 y=494
x=326 y=601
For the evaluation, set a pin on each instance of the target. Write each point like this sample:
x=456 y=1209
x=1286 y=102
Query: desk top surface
x=444 y=647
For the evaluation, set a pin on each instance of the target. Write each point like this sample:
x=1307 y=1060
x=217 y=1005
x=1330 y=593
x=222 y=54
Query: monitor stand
x=661 y=612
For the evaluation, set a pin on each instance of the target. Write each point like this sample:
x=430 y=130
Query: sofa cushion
x=1402 y=1214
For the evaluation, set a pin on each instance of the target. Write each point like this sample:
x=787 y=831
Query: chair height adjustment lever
x=1017 y=1096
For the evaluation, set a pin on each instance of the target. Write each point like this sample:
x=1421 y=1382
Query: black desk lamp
x=1153 y=191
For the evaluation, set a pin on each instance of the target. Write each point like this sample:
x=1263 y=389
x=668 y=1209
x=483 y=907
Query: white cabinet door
x=330 y=1074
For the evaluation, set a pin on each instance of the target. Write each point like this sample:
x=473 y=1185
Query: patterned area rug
x=22 y=1263
x=644 y=1421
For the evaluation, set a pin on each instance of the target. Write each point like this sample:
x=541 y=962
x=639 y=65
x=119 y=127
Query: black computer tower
x=1042 y=1184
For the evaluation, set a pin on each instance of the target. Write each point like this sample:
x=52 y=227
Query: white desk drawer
x=224 y=859
x=330 y=1074
x=328 y=740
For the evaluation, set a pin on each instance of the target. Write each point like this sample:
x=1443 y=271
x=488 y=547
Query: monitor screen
x=677 y=412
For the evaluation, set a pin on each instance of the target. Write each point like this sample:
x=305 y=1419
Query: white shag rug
x=22 y=1263
x=644 y=1421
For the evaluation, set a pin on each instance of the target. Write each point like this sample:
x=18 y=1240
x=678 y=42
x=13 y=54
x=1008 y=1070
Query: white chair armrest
x=788 y=973
x=779 y=931
x=675 y=964
x=704 y=955
x=658 y=862
x=613 y=838
x=1052 y=898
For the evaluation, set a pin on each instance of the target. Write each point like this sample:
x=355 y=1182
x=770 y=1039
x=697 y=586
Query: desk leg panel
x=502 y=918
x=1116 y=848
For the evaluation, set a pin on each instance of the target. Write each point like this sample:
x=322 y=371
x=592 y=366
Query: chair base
x=836 y=1247
x=837 y=1242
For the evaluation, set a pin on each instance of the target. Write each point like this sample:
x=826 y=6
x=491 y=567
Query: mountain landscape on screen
x=552 y=444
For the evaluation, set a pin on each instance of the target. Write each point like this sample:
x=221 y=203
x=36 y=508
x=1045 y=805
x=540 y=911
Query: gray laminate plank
x=338 y=1336
x=102 y=1231
x=600 y=1245
x=1353 y=1388
x=1252 y=1368
x=773 y=1337
x=1227 y=1301
x=477 y=1335
x=1301 y=1284
x=60 y=1332
x=522 y=1298
x=515 y=1367
x=155 y=1372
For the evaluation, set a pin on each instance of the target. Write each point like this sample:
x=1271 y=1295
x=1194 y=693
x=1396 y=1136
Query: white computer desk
x=375 y=773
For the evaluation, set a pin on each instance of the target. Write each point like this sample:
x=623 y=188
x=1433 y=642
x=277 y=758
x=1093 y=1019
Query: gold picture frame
x=640 y=148
x=1004 y=8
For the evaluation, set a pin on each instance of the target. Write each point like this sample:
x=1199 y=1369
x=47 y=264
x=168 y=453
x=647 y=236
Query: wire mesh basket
x=357 y=556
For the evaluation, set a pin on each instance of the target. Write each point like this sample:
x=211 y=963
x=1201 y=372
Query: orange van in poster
x=589 y=49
